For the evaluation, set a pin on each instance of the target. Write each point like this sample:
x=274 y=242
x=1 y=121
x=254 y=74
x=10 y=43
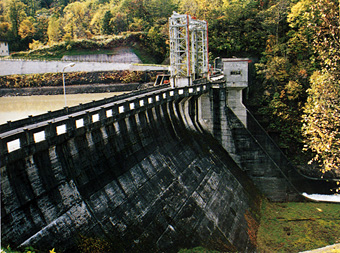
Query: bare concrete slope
x=119 y=55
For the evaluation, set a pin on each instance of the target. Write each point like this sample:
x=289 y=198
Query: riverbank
x=73 y=89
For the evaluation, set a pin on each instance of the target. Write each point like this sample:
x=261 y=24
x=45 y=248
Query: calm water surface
x=14 y=108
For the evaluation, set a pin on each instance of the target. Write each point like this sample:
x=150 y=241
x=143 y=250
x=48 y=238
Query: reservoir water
x=19 y=107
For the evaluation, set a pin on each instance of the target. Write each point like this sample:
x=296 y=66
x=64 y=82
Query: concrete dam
x=152 y=171
x=140 y=172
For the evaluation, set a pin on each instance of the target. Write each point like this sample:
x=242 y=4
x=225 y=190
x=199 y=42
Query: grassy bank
x=295 y=227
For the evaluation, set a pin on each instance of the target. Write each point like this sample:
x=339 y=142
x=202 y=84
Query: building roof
x=236 y=60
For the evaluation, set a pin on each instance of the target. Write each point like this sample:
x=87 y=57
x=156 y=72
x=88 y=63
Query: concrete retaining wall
x=20 y=67
x=140 y=173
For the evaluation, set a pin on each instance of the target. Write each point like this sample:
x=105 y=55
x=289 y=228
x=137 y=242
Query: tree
x=275 y=19
x=160 y=10
x=77 y=17
x=132 y=9
x=322 y=120
x=138 y=25
x=202 y=9
x=99 y=21
x=156 y=43
x=32 y=6
x=4 y=24
x=107 y=27
x=54 y=29
x=26 y=28
x=120 y=23
x=237 y=31
x=284 y=72
x=325 y=24
x=16 y=14
x=4 y=29
x=322 y=110
x=41 y=25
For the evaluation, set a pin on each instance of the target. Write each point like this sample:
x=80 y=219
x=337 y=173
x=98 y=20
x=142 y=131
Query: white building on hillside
x=4 y=48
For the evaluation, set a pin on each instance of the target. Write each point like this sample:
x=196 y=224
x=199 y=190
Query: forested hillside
x=295 y=45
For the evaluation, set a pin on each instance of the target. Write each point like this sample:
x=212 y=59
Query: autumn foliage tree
x=322 y=120
x=322 y=110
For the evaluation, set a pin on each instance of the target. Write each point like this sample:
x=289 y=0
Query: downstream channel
x=19 y=107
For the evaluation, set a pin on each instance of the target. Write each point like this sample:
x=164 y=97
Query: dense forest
x=295 y=45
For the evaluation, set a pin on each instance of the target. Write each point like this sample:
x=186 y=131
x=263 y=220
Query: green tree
x=275 y=19
x=156 y=43
x=4 y=29
x=132 y=9
x=4 y=24
x=107 y=27
x=202 y=9
x=41 y=25
x=120 y=22
x=32 y=6
x=237 y=31
x=16 y=14
x=160 y=10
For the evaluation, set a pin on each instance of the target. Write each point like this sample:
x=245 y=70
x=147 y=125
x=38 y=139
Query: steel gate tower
x=188 y=49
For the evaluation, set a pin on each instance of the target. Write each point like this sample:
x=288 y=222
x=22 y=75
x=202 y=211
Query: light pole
x=68 y=65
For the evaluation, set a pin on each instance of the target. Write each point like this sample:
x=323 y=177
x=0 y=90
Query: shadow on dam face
x=144 y=183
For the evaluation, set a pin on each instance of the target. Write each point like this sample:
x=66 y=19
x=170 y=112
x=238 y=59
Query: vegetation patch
x=295 y=227
x=197 y=250
x=76 y=78
x=94 y=245
x=138 y=41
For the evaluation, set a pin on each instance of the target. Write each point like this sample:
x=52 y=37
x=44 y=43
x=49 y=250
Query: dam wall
x=139 y=172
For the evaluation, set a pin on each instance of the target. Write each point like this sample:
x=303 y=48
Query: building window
x=235 y=73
